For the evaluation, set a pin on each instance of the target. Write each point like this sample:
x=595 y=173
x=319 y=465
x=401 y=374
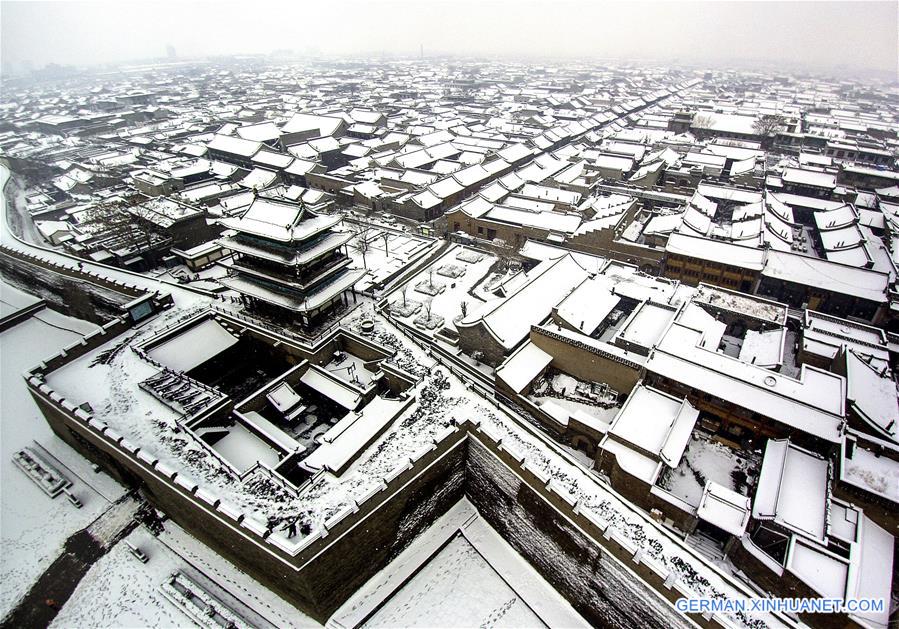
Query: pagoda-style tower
x=288 y=261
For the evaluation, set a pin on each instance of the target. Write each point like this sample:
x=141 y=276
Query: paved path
x=50 y=592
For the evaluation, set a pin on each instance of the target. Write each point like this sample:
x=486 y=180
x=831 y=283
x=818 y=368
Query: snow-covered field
x=33 y=527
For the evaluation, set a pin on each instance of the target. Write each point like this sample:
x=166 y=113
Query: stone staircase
x=709 y=548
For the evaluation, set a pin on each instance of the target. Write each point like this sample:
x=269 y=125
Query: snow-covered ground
x=450 y=291
x=232 y=582
x=704 y=460
x=441 y=399
x=120 y=591
x=458 y=573
x=33 y=527
x=383 y=259
x=877 y=474
x=575 y=395
x=12 y=299
x=456 y=588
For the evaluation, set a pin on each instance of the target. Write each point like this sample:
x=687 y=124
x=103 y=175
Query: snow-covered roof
x=632 y=461
x=308 y=302
x=277 y=220
x=509 y=320
x=273 y=159
x=698 y=318
x=813 y=178
x=344 y=440
x=300 y=166
x=366 y=116
x=798 y=200
x=727 y=193
x=826 y=573
x=733 y=301
x=813 y=403
x=234 y=146
x=548 y=220
x=645 y=324
x=836 y=218
x=321 y=125
x=520 y=369
x=724 y=507
x=793 y=489
x=193 y=346
x=657 y=424
x=551 y=194
x=830 y=276
x=725 y=123
x=260 y=132
x=703 y=204
x=445 y=188
x=763 y=347
x=514 y=152
x=742 y=167
x=588 y=304
x=716 y=250
x=871 y=393
x=258 y=178
x=525 y=203
x=662 y=224
x=50 y=228
x=612 y=205
x=866 y=574
x=614 y=162
x=694 y=222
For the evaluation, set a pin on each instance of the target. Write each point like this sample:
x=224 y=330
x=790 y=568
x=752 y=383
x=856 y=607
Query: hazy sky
x=851 y=35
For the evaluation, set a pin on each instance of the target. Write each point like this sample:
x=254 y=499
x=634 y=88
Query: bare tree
x=701 y=125
x=112 y=222
x=766 y=124
x=362 y=243
x=386 y=236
